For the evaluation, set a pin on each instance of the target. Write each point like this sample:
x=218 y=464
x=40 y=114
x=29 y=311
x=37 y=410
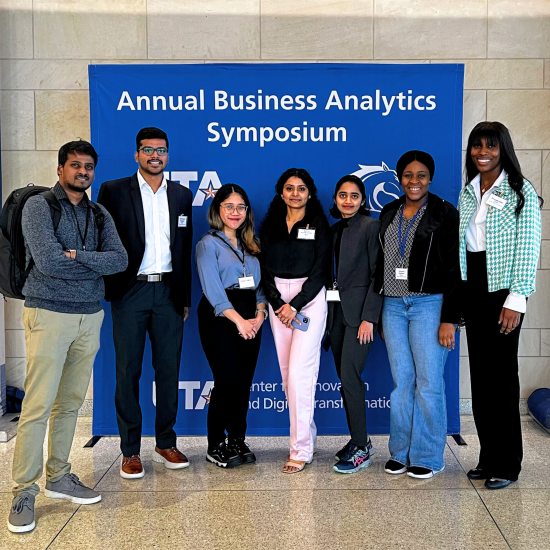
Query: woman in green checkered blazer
x=500 y=234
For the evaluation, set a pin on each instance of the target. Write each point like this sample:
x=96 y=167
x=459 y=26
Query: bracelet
x=264 y=311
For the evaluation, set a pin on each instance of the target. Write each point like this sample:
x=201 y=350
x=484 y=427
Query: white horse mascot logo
x=381 y=184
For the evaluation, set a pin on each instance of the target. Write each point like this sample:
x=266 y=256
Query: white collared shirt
x=476 y=237
x=157 y=257
x=475 y=232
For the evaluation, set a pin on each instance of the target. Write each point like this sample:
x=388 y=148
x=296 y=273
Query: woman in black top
x=296 y=245
x=354 y=310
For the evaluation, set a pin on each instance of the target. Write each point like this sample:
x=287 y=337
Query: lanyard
x=82 y=239
x=403 y=243
x=234 y=252
x=341 y=234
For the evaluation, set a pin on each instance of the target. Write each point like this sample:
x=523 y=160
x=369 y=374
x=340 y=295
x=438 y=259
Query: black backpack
x=13 y=272
x=14 y=399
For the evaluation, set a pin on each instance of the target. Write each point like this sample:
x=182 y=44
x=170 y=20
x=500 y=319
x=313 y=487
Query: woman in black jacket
x=296 y=243
x=418 y=272
x=354 y=310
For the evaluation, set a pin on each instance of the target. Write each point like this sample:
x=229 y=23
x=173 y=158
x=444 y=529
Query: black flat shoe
x=477 y=473
x=497 y=483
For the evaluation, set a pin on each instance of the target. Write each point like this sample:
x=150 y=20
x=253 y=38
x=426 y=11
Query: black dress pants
x=146 y=309
x=493 y=373
x=233 y=362
x=350 y=358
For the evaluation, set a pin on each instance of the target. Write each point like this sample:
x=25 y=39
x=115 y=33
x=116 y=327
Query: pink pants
x=299 y=354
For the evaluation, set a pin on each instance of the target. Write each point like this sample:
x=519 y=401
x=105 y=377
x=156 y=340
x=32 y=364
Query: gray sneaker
x=21 y=518
x=71 y=488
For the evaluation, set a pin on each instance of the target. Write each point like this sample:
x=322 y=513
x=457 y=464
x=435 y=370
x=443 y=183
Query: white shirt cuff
x=516 y=302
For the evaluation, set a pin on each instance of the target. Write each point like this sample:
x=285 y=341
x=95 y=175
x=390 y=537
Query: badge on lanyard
x=247 y=282
x=333 y=294
x=498 y=202
x=401 y=273
x=306 y=234
x=182 y=221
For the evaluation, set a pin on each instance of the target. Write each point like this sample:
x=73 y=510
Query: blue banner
x=246 y=124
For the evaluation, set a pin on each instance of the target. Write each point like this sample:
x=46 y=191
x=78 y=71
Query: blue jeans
x=418 y=414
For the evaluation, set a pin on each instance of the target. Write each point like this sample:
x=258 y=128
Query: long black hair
x=363 y=209
x=277 y=209
x=495 y=133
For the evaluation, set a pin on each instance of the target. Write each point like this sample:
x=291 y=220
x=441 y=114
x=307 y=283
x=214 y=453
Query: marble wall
x=46 y=45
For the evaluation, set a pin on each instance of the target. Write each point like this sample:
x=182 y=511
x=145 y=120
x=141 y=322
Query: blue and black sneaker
x=355 y=459
x=342 y=452
x=370 y=448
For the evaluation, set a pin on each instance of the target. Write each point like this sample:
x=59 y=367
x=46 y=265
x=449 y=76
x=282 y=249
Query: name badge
x=333 y=295
x=246 y=282
x=498 y=202
x=401 y=273
x=182 y=221
x=306 y=234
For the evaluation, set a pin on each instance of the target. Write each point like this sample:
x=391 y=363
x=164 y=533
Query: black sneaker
x=243 y=450
x=223 y=456
x=419 y=472
x=343 y=451
x=394 y=467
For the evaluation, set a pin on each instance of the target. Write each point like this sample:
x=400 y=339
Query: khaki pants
x=61 y=348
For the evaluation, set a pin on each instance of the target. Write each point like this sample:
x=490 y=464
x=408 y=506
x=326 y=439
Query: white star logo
x=210 y=192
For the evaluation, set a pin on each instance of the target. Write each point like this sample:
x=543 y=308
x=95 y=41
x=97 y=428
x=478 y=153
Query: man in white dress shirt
x=153 y=219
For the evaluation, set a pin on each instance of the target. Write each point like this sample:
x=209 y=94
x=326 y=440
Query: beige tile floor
x=258 y=507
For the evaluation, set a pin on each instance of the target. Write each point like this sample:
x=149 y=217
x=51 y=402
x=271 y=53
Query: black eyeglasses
x=150 y=150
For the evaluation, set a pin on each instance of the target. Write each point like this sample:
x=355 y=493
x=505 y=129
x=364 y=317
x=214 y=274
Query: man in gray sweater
x=62 y=318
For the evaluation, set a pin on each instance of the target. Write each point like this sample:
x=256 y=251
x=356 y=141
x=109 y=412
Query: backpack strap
x=99 y=218
x=55 y=208
x=55 y=213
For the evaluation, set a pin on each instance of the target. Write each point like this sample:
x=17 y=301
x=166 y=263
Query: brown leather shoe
x=172 y=458
x=131 y=467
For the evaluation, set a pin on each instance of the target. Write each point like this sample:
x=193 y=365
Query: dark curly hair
x=277 y=209
x=495 y=133
x=350 y=178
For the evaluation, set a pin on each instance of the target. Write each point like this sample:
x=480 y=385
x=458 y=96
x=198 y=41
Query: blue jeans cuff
x=403 y=461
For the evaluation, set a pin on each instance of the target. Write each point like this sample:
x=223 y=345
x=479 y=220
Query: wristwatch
x=293 y=308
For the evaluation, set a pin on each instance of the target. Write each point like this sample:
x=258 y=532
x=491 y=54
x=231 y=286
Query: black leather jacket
x=434 y=263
